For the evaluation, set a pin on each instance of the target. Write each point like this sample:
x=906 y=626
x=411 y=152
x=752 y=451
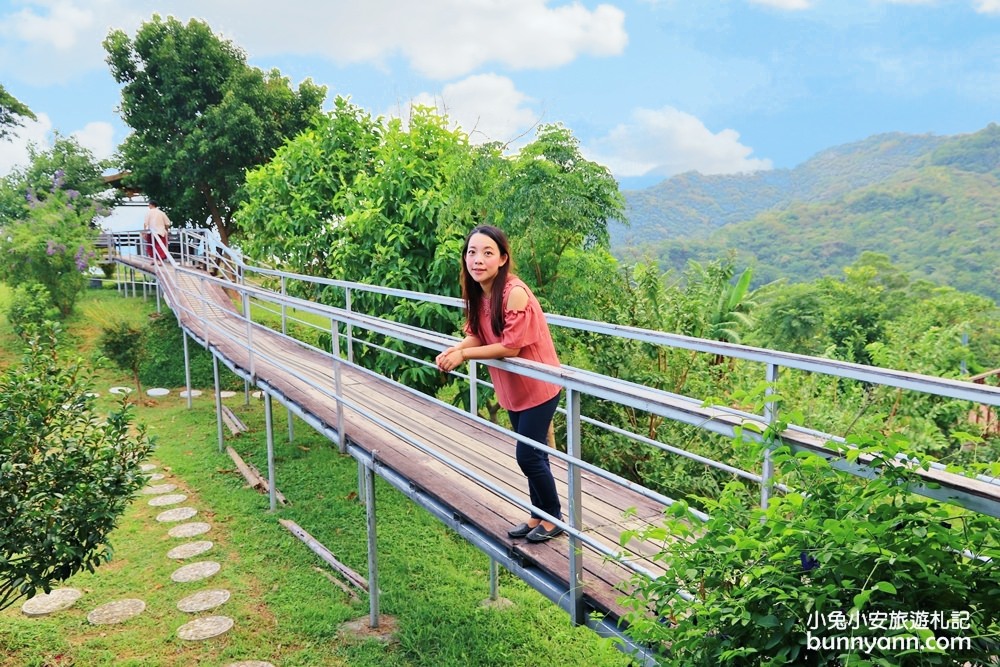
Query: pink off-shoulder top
x=527 y=330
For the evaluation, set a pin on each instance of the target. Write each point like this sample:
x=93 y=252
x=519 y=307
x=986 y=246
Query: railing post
x=770 y=415
x=246 y=314
x=337 y=384
x=350 y=329
x=577 y=611
x=284 y=307
x=473 y=387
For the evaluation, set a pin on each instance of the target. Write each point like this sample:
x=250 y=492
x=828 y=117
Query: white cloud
x=49 y=42
x=52 y=40
x=14 y=150
x=668 y=142
x=441 y=39
x=783 y=4
x=60 y=28
x=98 y=137
x=987 y=6
x=487 y=107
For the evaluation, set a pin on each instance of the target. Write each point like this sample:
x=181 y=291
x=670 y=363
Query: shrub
x=124 y=344
x=162 y=364
x=30 y=306
x=771 y=586
x=67 y=475
x=53 y=245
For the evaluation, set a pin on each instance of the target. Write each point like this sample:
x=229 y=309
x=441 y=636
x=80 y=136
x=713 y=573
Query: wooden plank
x=317 y=548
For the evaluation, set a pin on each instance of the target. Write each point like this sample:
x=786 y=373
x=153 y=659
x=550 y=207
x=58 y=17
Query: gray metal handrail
x=209 y=262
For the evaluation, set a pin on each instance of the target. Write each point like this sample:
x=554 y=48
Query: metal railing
x=266 y=291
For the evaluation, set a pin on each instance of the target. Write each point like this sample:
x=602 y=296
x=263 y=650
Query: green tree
x=551 y=199
x=66 y=166
x=296 y=202
x=791 y=319
x=12 y=112
x=67 y=475
x=200 y=117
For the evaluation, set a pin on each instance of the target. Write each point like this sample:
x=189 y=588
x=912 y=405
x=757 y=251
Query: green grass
x=285 y=611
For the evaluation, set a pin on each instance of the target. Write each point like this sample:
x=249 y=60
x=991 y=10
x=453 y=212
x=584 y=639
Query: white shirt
x=156 y=221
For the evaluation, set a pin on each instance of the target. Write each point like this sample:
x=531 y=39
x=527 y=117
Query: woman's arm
x=472 y=348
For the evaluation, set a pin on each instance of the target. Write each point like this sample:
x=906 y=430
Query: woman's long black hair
x=472 y=292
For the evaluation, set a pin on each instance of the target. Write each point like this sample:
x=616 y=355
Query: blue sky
x=651 y=88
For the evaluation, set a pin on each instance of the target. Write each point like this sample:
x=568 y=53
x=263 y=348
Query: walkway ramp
x=460 y=467
x=294 y=372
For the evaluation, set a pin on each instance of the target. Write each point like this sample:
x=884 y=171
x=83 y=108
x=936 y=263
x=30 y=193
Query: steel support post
x=373 y=593
x=218 y=398
x=187 y=367
x=573 y=448
x=494 y=586
x=272 y=493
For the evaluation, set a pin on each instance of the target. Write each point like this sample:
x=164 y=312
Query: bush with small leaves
x=30 y=306
x=832 y=560
x=67 y=475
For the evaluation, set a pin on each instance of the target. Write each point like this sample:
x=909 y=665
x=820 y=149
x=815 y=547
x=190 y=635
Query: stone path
x=201 y=628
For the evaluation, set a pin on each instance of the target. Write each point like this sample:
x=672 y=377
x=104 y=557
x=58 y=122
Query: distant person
x=504 y=319
x=157 y=224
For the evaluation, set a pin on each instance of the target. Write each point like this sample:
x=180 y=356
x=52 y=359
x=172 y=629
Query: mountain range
x=931 y=203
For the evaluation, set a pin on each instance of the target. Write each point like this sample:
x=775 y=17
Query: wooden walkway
x=607 y=509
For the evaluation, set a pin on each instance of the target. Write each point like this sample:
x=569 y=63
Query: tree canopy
x=12 y=112
x=200 y=117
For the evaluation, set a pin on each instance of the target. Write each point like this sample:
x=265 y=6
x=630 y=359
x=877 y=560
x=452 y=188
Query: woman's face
x=483 y=260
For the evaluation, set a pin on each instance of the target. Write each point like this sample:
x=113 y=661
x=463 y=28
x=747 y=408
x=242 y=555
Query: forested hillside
x=931 y=204
x=694 y=205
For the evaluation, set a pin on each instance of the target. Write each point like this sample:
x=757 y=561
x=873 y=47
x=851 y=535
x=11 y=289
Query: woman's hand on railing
x=450 y=359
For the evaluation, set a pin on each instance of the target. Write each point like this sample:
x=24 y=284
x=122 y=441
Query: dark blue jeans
x=534 y=423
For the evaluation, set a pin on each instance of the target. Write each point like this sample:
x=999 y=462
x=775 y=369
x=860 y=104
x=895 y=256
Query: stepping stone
x=120 y=390
x=158 y=488
x=195 y=393
x=250 y=663
x=47 y=603
x=156 y=477
x=157 y=391
x=176 y=514
x=205 y=628
x=189 y=550
x=195 y=571
x=189 y=529
x=116 y=612
x=203 y=601
x=93 y=394
x=226 y=394
x=146 y=467
x=169 y=499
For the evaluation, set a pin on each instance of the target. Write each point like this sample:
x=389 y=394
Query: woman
x=504 y=319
